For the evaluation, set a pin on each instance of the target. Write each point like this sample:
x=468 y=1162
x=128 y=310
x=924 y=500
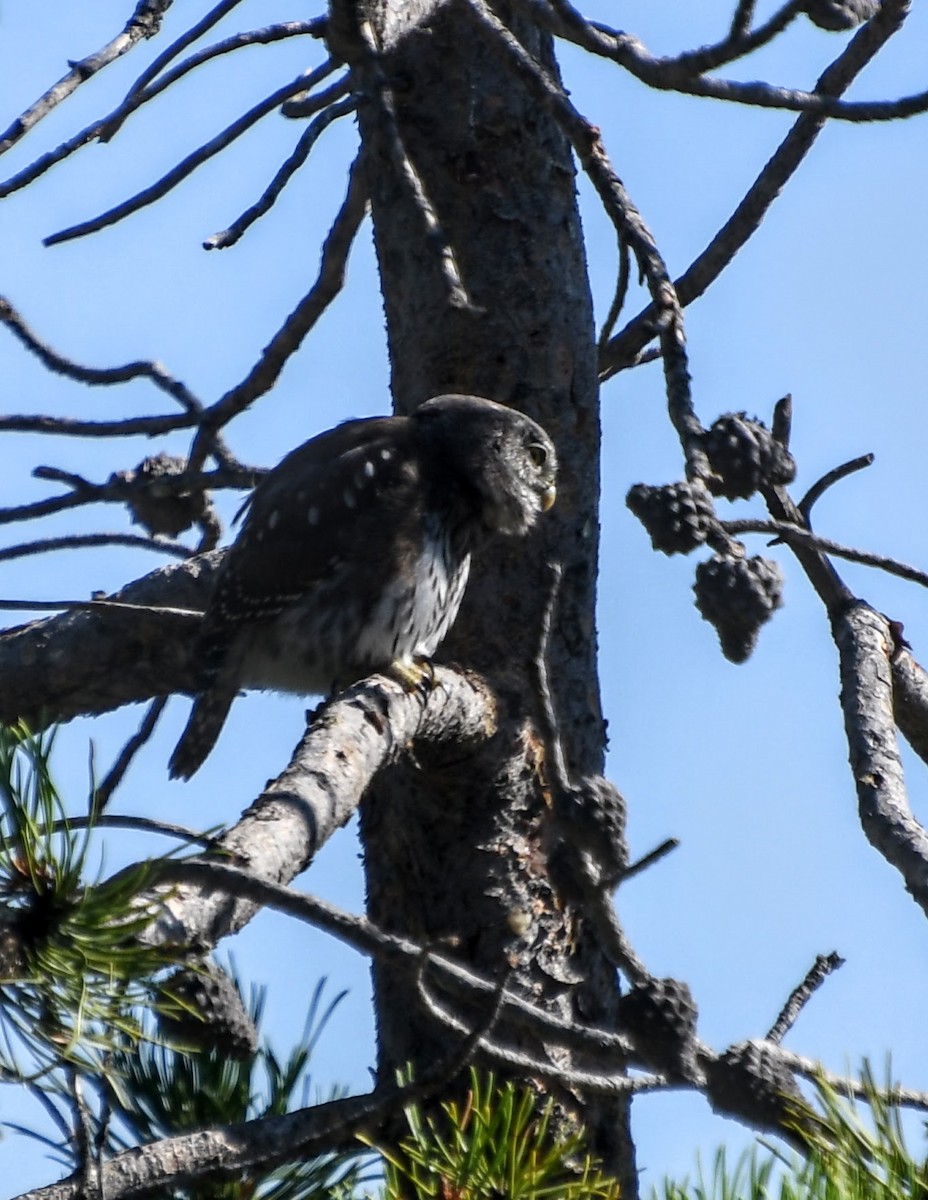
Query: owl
x=355 y=551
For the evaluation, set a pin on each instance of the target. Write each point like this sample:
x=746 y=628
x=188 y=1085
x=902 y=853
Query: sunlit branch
x=228 y=237
x=188 y=165
x=587 y=142
x=81 y=541
x=623 y=349
x=457 y=294
x=144 y=23
x=289 y=337
x=795 y=534
x=824 y=965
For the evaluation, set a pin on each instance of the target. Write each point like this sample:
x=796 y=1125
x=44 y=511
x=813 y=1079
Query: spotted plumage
x=355 y=552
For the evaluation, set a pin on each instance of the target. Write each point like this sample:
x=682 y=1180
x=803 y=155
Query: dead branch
x=82 y=541
x=289 y=337
x=865 y=645
x=684 y=74
x=796 y=535
x=144 y=23
x=189 y=164
x=351 y=738
x=457 y=294
x=910 y=697
x=95 y=660
x=823 y=966
x=114 y=777
x=668 y=320
x=228 y=237
x=623 y=349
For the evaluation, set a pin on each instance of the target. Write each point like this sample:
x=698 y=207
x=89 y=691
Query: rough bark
x=460 y=856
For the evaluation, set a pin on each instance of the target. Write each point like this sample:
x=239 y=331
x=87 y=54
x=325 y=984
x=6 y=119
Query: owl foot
x=416 y=675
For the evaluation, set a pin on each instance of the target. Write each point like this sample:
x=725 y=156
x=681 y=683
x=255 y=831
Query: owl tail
x=203 y=728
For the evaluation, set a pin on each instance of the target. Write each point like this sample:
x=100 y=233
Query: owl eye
x=538 y=454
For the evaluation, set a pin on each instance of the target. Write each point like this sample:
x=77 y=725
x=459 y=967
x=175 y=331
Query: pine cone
x=157 y=508
x=202 y=1007
x=743 y=455
x=737 y=596
x=836 y=15
x=595 y=813
x=751 y=1082
x=660 y=1018
x=677 y=516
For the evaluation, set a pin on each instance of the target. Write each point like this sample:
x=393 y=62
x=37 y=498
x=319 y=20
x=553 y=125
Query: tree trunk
x=457 y=853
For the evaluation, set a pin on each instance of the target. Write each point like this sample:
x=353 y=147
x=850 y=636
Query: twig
x=144 y=90
x=228 y=237
x=743 y=16
x=631 y=54
x=617 y=1084
x=796 y=535
x=823 y=966
x=187 y=165
x=668 y=316
x=458 y=296
x=618 y=299
x=83 y=1138
x=546 y=702
x=102 y=794
x=685 y=74
x=289 y=337
x=68 y=605
x=648 y=860
x=623 y=349
x=811 y=1069
x=144 y=23
x=818 y=489
x=138 y=824
x=104 y=128
x=60 y=365
x=81 y=541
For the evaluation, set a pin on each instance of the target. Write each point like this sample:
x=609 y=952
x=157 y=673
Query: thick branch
x=95 y=660
x=865 y=645
x=348 y=742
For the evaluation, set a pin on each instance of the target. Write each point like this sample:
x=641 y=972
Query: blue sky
x=746 y=765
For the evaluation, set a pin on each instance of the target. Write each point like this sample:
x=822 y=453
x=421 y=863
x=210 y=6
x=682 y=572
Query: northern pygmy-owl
x=355 y=551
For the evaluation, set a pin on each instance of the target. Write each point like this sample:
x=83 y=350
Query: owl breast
x=341 y=631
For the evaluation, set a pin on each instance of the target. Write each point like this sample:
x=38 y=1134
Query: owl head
x=503 y=461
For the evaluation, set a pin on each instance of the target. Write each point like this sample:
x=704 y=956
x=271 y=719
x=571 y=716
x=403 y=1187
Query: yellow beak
x=548 y=496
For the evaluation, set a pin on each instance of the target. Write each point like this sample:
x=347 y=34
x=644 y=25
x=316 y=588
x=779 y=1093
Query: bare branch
x=865 y=646
x=910 y=697
x=96 y=660
x=623 y=349
x=668 y=318
x=60 y=365
x=119 y=489
x=142 y=91
x=667 y=846
x=795 y=535
x=458 y=296
x=228 y=237
x=813 y=1070
x=563 y=20
x=104 y=128
x=189 y=164
x=144 y=23
x=114 y=777
x=81 y=541
x=289 y=337
x=821 y=486
x=823 y=966
x=684 y=74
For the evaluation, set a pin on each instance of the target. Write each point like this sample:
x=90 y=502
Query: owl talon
x=415 y=676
